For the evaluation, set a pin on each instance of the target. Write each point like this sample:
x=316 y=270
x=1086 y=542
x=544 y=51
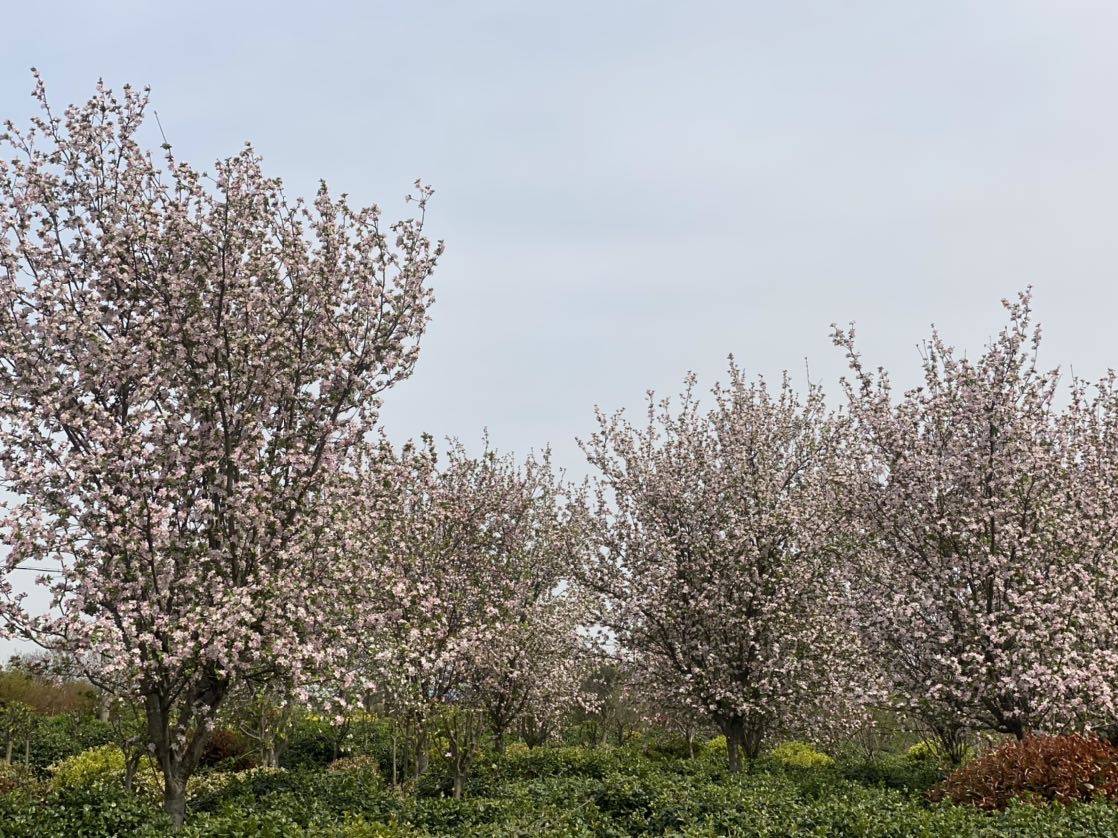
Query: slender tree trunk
x=393 y=754
x=27 y=751
x=131 y=763
x=953 y=742
x=8 y=752
x=420 y=753
x=499 y=740
x=456 y=758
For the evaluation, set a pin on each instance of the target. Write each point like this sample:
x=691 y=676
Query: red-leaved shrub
x=227 y=749
x=1038 y=768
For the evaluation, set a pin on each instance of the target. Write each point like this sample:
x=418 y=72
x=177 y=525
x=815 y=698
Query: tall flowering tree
x=990 y=525
x=722 y=556
x=451 y=563
x=184 y=358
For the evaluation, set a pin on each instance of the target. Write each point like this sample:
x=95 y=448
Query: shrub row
x=568 y=791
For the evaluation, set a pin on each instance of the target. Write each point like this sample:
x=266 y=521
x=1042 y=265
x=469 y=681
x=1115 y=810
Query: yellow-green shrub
x=217 y=782
x=105 y=763
x=925 y=750
x=79 y=769
x=715 y=747
x=800 y=755
x=929 y=750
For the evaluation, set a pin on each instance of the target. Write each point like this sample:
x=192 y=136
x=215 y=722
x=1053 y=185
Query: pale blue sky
x=632 y=190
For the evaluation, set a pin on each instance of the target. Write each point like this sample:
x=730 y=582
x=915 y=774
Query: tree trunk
x=174 y=799
x=733 y=754
x=734 y=730
x=27 y=751
x=953 y=742
x=743 y=739
x=178 y=760
x=751 y=741
x=499 y=741
x=8 y=753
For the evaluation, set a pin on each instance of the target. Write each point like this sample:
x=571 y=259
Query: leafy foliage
x=1062 y=769
x=546 y=791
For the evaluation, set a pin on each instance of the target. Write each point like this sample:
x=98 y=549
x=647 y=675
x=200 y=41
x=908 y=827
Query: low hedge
x=556 y=791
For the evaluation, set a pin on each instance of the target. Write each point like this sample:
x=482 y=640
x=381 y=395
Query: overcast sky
x=629 y=191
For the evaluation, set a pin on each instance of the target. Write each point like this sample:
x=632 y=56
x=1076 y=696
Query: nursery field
x=74 y=786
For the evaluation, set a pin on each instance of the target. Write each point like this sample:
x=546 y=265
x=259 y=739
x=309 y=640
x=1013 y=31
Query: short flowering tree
x=661 y=703
x=533 y=672
x=456 y=576
x=990 y=536
x=723 y=555
x=183 y=361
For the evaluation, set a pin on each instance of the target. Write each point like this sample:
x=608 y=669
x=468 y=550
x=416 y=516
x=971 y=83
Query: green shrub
x=92 y=810
x=893 y=772
x=931 y=751
x=926 y=750
x=566 y=791
x=242 y=824
x=15 y=779
x=62 y=736
x=366 y=766
x=310 y=744
x=304 y=796
x=314 y=741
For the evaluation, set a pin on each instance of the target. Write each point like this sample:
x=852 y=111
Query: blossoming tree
x=456 y=570
x=723 y=553
x=184 y=358
x=990 y=530
x=533 y=672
